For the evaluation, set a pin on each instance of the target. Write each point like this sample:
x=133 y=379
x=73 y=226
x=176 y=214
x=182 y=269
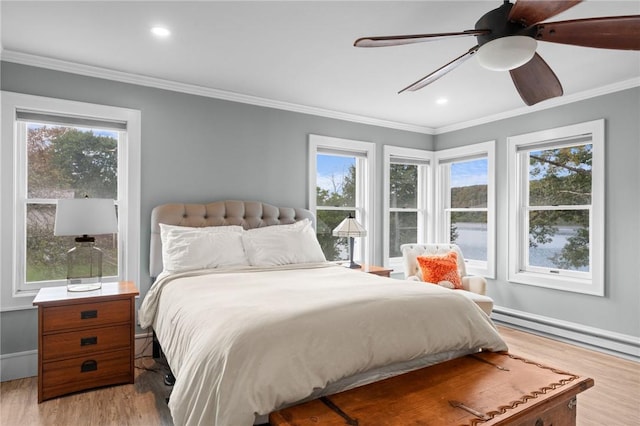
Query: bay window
x=407 y=176
x=466 y=204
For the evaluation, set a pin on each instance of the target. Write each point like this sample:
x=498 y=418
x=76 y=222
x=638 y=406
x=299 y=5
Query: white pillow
x=282 y=245
x=164 y=229
x=295 y=226
x=185 y=249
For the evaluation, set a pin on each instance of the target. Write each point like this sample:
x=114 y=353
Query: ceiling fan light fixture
x=507 y=53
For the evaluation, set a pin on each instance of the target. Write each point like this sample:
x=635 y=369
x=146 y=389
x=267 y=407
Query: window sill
x=562 y=283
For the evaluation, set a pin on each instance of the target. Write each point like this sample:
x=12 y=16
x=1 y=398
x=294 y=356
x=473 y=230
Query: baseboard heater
x=609 y=342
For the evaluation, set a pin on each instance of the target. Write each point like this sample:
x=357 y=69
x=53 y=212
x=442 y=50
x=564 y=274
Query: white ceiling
x=301 y=53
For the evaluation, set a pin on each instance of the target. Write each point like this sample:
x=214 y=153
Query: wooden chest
x=481 y=389
x=85 y=339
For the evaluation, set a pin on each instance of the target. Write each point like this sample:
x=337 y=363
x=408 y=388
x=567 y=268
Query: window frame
x=14 y=174
x=365 y=194
x=580 y=282
x=443 y=190
x=424 y=208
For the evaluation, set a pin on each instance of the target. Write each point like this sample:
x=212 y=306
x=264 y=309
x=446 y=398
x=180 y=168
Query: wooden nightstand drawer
x=57 y=318
x=74 y=343
x=90 y=371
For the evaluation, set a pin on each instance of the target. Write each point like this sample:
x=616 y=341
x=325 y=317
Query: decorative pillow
x=202 y=248
x=282 y=245
x=441 y=269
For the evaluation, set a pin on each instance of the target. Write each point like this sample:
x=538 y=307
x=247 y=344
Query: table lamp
x=350 y=227
x=83 y=217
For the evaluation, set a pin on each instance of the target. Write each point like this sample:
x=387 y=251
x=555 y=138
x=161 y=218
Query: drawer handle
x=90 y=365
x=86 y=341
x=89 y=314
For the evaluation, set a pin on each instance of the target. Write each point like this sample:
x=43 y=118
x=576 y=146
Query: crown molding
x=551 y=103
x=142 y=80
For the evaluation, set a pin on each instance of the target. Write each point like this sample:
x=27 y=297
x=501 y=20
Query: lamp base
x=84 y=287
x=352 y=264
x=84 y=266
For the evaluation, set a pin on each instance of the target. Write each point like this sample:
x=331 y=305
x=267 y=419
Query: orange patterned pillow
x=441 y=270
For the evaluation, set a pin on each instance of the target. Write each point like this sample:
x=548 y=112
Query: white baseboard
x=18 y=365
x=25 y=364
x=621 y=345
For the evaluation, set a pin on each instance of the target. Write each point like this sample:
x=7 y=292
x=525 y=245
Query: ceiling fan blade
x=440 y=71
x=535 y=81
x=615 y=32
x=529 y=12
x=409 y=39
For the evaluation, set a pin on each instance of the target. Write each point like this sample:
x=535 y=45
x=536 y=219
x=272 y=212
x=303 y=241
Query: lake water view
x=472 y=240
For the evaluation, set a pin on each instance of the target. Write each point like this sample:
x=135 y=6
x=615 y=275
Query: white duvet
x=243 y=343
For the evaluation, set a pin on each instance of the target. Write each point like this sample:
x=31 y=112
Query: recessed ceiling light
x=442 y=101
x=160 y=32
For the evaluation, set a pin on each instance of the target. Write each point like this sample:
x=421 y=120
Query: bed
x=248 y=332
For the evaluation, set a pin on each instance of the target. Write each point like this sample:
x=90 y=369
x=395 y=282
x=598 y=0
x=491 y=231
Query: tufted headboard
x=249 y=214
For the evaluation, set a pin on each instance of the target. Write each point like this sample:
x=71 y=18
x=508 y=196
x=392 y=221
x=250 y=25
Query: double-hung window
x=63 y=149
x=466 y=204
x=407 y=176
x=340 y=184
x=556 y=208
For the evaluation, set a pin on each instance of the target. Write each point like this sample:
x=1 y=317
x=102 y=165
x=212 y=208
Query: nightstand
x=376 y=270
x=85 y=339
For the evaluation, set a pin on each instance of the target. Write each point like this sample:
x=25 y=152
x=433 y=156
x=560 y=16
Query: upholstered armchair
x=474 y=287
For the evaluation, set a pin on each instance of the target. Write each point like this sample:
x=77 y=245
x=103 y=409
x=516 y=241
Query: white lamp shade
x=349 y=227
x=507 y=53
x=85 y=216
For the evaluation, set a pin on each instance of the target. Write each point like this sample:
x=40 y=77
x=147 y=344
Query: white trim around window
x=443 y=159
x=14 y=291
x=424 y=208
x=588 y=282
x=365 y=194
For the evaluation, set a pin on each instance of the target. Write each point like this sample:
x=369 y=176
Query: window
x=340 y=173
x=64 y=149
x=466 y=204
x=406 y=194
x=556 y=208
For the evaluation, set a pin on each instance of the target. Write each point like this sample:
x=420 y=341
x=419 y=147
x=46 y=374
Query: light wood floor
x=613 y=401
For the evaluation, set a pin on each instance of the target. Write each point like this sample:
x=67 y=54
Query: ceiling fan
x=506 y=40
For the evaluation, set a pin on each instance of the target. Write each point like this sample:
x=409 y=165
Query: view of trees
x=403 y=193
x=557 y=177
x=65 y=162
x=342 y=194
x=69 y=162
x=561 y=177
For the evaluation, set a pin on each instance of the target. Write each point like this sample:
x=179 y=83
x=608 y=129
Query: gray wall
x=619 y=310
x=198 y=149
x=193 y=147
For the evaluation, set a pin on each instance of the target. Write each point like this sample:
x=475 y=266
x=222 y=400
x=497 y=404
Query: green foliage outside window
x=66 y=162
x=556 y=177
x=403 y=194
x=561 y=177
x=342 y=194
